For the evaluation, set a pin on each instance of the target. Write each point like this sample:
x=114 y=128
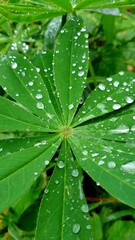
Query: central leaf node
x=66 y=132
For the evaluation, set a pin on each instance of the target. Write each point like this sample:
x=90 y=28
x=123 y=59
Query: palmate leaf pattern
x=97 y=137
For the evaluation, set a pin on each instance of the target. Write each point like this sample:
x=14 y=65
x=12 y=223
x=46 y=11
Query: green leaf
x=27 y=87
x=111 y=95
x=19 y=169
x=19 y=13
x=64 y=203
x=121 y=230
x=13 y=117
x=71 y=66
x=44 y=62
x=103 y=4
x=110 y=162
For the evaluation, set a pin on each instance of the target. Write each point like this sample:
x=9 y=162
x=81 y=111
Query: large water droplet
x=61 y=164
x=75 y=173
x=85 y=208
x=76 y=228
x=14 y=65
x=128 y=167
x=39 y=96
x=111 y=164
x=40 y=105
x=81 y=73
x=116 y=106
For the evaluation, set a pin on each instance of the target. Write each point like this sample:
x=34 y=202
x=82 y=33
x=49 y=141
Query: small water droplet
x=101 y=86
x=1 y=149
x=116 y=106
x=88 y=226
x=75 y=173
x=85 y=208
x=30 y=83
x=129 y=99
x=40 y=105
x=57 y=181
x=46 y=162
x=128 y=167
x=76 y=228
x=70 y=106
x=61 y=164
x=39 y=96
x=111 y=164
x=14 y=65
x=80 y=73
x=85 y=152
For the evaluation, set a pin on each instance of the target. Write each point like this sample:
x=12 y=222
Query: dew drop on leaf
x=85 y=152
x=46 y=162
x=88 y=226
x=111 y=164
x=116 y=106
x=128 y=167
x=76 y=228
x=81 y=73
x=101 y=86
x=39 y=96
x=61 y=164
x=30 y=83
x=40 y=105
x=1 y=149
x=75 y=173
x=129 y=99
x=85 y=208
x=70 y=106
x=14 y=65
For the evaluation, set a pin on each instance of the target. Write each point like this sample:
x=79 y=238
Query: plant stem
x=93 y=76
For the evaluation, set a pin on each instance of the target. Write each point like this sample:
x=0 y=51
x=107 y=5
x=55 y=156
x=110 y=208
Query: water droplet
x=101 y=162
x=111 y=164
x=120 y=129
x=109 y=79
x=57 y=181
x=30 y=83
x=128 y=167
x=39 y=96
x=129 y=99
x=75 y=173
x=46 y=162
x=76 y=228
x=14 y=65
x=116 y=106
x=85 y=152
x=70 y=106
x=85 y=208
x=101 y=86
x=35 y=173
x=88 y=226
x=116 y=84
x=1 y=149
x=61 y=164
x=121 y=73
x=80 y=73
x=40 y=105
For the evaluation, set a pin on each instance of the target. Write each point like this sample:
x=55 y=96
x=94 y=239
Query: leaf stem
x=93 y=76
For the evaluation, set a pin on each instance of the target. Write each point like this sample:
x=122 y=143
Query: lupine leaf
x=64 y=203
x=19 y=169
x=107 y=157
x=113 y=94
x=27 y=87
x=13 y=117
x=103 y=4
x=44 y=62
x=70 y=66
x=19 y=13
